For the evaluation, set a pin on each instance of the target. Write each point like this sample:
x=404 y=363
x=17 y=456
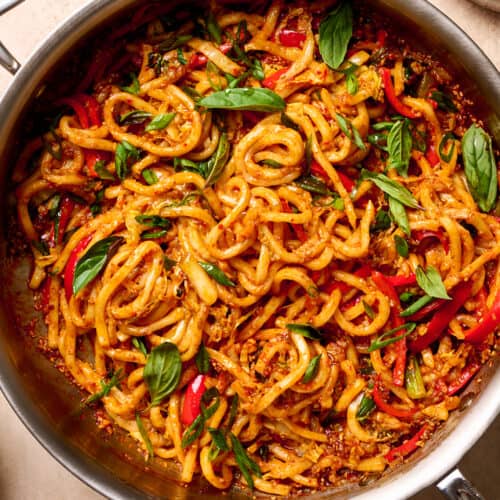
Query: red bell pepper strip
x=297 y=228
x=407 y=447
x=432 y=156
x=78 y=108
x=92 y=107
x=443 y=316
x=271 y=81
x=390 y=93
x=63 y=214
x=467 y=373
x=386 y=407
x=191 y=407
x=69 y=271
x=317 y=170
x=346 y=181
x=92 y=156
x=291 y=38
x=198 y=60
x=381 y=38
x=399 y=280
x=490 y=321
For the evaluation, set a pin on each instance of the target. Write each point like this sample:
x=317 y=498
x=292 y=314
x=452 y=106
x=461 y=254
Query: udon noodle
x=267 y=228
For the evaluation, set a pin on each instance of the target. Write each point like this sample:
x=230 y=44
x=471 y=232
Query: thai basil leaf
x=257 y=71
x=350 y=131
x=382 y=221
x=352 y=84
x=94 y=260
x=251 y=99
x=124 y=153
x=480 y=168
x=401 y=246
x=306 y=331
x=162 y=372
x=417 y=305
x=335 y=32
x=202 y=359
x=399 y=144
x=399 y=215
x=431 y=283
x=144 y=435
x=106 y=387
x=160 y=122
x=153 y=221
x=218 y=161
x=135 y=117
x=245 y=463
x=391 y=188
x=365 y=408
x=101 y=170
x=312 y=369
x=134 y=87
x=139 y=345
x=378 y=140
x=313 y=185
x=217 y=274
x=149 y=176
x=444 y=101
x=153 y=235
x=383 y=341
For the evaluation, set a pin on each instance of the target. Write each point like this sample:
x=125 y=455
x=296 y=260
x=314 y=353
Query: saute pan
x=46 y=401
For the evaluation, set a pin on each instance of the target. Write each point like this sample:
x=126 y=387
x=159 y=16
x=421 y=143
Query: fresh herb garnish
x=252 y=99
x=144 y=435
x=271 y=163
x=312 y=369
x=173 y=42
x=416 y=306
x=162 y=371
x=159 y=122
x=307 y=331
x=202 y=359
x=398 y=214
x=382 y=221
x=216 y=164
x=138 y=343
x=413 y=380
x=365 y=408
x=101 y=170
x=168 y=263
x=213 y=29
x=444 y=101
x=135 y=117
x=153 y=221
x=217 y=274
x=106 y=387
x=390 y=187
x=384 y=341
x=125 y=153
x=431 y=283
x=94 y=260
x=399 y=144
x=401 y=246
x=313 y=185
x=368 y=310
x=245 y=463
x=149 y=176
x=180 y=57
x=288 y=122
x=134 y=87
x=195 y=430
x=350 y=131
x=442 y=147
x=351 y=79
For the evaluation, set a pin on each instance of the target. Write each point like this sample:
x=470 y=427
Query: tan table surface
x=27 y=471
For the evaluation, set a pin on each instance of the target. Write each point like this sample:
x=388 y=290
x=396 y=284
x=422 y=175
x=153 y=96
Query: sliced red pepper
x=69 y=271
x=297 y=228
x=386 y=407
x=443 y=316
x=467 y=373
x=78 y=108
x=271 y=81
x=318 y=170
x=399 y=280
x=390 y=93
x=191 y=407
x=490 y=321
x=346 y=181
x=364 y=271
x=63 y=215
x=407 y=447
x=92 y=107
x=291 y=38
x=198 y=60
x=92 y=156
x=432 y=156
x=385 y=286
x=381 y=38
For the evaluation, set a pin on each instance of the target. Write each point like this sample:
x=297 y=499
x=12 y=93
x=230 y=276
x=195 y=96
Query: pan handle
x=7 y=60
x=455 y=486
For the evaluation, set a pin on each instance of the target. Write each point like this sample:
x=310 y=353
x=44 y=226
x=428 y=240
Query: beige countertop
x=27 y=471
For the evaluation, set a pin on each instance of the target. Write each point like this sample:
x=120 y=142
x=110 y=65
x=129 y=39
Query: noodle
x=242 y=273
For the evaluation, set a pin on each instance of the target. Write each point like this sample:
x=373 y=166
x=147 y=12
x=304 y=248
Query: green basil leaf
x=192 y=166
x=383 y=125
x=218 y=161
x=153 y=235
x=149 y=176
x=180 y=57
x=431 y=283
x=106 y=387
x=399 y=215
x=195 y=96
x=352 y=84
x=271 y=163
x=401 y=246
x=407 y=296
x=383 y=341
x=288 y=122
x=382 y=221
x=101 y=170
x=480 y=168
x=94 y=260
x=217 y=274
x=335 y=32
x=350 y=131
x=202 y=359
x=153 y=221
x=417 y=305
x=173 y=42
x=245 y=463
x=134 y=87
x=378 y=140
x=213 y=29
x=365 y=408
x=168 y=264
x=399 y=144
x=313 y=185
x=444 y=101
x=391 y=188
x=368 y=310
x=139 y=345
x=144 y=435
x=306 y=331
x=312 y=369
x=124 y=153
x=257 y=70
x=442 y=146
x=251 y=99
x=159 y=122
x=135 y=117
x=162 y=372
x=413 y=380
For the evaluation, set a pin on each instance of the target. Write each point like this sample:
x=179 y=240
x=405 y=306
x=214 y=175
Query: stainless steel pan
x=46 y=401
